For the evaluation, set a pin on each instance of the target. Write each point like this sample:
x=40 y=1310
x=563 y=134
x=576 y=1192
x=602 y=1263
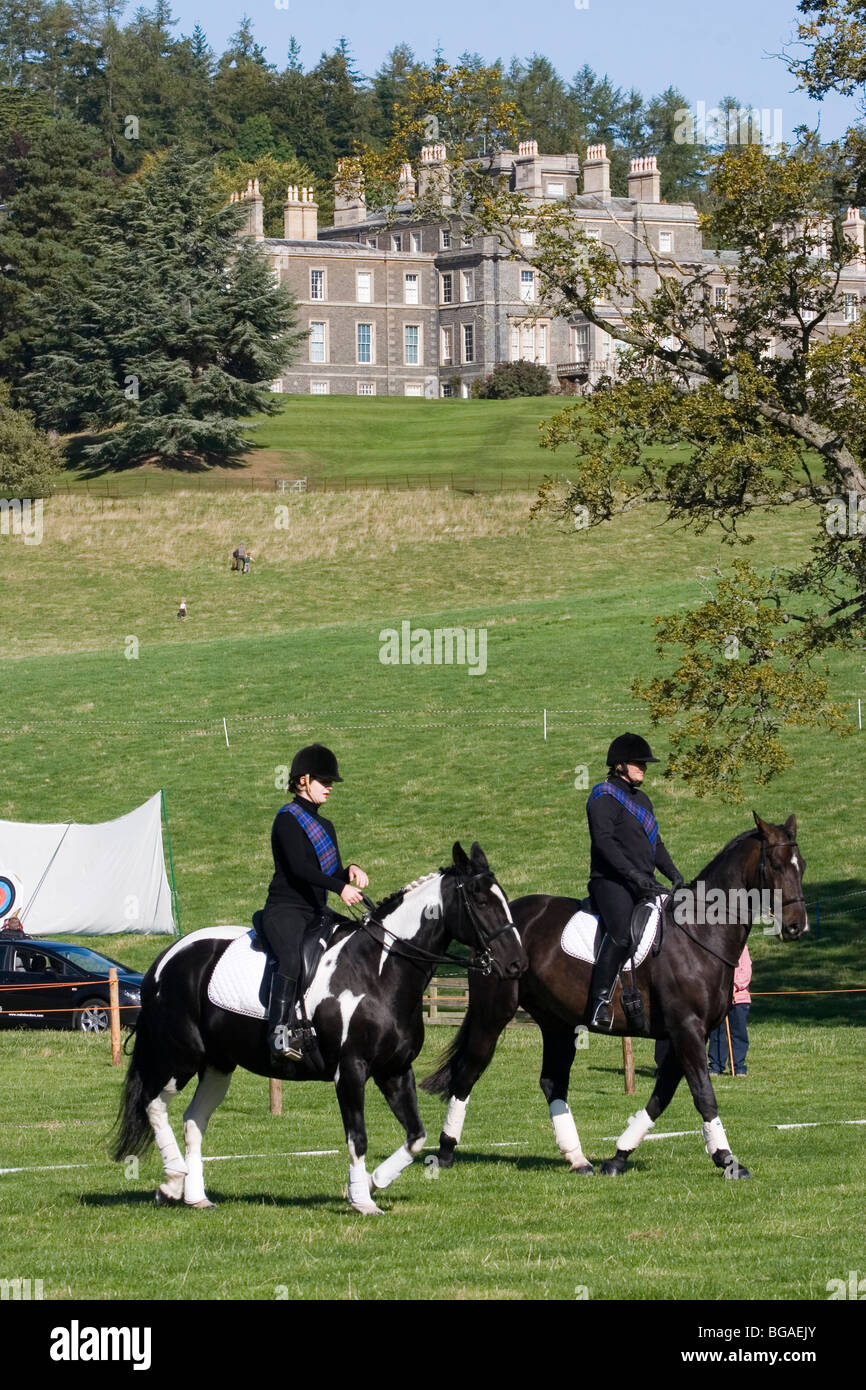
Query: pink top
x=742 y=976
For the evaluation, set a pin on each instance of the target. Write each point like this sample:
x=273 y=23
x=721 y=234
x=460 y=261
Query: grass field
x=395 y=442
x=93 y=722
x=507 y=1222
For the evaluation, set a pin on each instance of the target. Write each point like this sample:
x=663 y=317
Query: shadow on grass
x=79 y=460
x=142 y=1199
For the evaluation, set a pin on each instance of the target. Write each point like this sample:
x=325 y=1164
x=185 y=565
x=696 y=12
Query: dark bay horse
x=686 y=990
x=365 y=1002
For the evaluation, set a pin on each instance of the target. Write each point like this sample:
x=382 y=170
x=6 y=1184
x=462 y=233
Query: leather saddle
x=313 y=946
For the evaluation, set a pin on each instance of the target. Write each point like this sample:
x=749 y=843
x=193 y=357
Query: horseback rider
x=626 y=849
x=307 y=866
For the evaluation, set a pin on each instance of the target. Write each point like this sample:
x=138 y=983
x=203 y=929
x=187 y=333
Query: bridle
x=482 y=958
x=762 y=872
x=762 y=875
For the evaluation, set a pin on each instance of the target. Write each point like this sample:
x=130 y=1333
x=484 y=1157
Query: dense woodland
x=139 y=86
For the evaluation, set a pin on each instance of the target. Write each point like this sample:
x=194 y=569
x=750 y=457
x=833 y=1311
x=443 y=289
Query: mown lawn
x=507 y=1222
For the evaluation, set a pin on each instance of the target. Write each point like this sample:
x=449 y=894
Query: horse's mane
x=714 y=863
x=394 y=899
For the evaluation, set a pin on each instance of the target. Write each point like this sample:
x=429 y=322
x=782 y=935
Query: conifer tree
x=179 y=334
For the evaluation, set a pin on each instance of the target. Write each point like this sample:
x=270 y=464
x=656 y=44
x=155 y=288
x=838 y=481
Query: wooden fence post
x=114 y=1014
x=433 y=1012
x=628 y=1065
x=275 y=1088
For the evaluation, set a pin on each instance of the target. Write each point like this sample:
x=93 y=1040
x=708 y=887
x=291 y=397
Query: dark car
x=79 y=979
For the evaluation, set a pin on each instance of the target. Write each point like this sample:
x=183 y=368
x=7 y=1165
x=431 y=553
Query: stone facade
x=416 y=307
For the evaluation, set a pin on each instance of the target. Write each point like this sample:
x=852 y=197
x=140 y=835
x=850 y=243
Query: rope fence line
x=113 y=1006
x=200 y=725
x=105 y=489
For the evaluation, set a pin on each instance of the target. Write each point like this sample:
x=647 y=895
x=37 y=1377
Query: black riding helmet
x=629 y=748
x=315 y=761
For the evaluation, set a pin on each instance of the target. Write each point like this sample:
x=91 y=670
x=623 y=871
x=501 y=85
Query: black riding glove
x=647 y=886
x=677 y=881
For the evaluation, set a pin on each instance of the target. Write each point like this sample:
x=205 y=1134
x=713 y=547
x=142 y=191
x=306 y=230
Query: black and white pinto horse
x=365 y=1001
x=686 y=990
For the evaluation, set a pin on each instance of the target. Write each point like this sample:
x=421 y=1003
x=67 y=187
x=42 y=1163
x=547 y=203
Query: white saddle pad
x=236 y=983
x=580 y=932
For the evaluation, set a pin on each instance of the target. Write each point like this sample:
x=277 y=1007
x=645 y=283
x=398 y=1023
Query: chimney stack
x=255 y=225
x=350 y=205
x=644 y=180
x=855 y=228
x=596 y=173
x=300 y=214
x=433 y=173
x=407 y=183
x=528 y=149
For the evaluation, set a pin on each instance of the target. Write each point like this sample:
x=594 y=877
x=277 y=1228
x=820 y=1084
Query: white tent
x=87 y=880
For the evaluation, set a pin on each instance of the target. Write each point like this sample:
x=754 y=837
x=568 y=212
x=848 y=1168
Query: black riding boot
x=283 y=1034
x=604 y=975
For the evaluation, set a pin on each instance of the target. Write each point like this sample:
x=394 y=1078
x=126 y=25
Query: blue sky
x=708 y=50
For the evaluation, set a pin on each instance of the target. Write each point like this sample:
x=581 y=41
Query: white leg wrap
x=565 y=1131
x=193 y=1187
x=638 y=1128
x=392 y=1167
x=208 y=1095
x=172 y=1162
x=359 y=1186
x=169 y=1152
x=453 y=1125
x=714 y=1135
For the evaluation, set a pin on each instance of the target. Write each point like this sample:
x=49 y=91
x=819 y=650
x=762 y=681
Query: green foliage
x=29 y=461
x=179 y=333
x=509 y=379
x=57 y=183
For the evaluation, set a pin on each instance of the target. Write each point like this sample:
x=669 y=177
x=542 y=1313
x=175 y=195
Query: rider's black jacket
x=298 y=880
x=620 y=848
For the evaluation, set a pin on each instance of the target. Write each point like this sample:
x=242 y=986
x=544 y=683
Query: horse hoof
x=612 y=1168
x=583 y=1170
x=445 y=1158
x=735 y=1169
x=202 y=1205
x=163 y=1199
x=367 y=1208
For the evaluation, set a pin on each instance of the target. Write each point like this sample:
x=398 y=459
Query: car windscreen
x=90 y=961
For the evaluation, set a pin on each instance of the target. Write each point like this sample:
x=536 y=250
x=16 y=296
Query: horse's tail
x=157 y=1057
x=492 y=1004
x=439 y=1083
x=132 y=1131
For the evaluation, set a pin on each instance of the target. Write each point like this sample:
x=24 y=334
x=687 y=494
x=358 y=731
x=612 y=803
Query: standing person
x=181 y=612
x=307 y=866
x=626 y=849
x=738 y=1017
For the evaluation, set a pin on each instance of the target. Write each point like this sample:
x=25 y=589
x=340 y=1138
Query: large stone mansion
x=413 y=307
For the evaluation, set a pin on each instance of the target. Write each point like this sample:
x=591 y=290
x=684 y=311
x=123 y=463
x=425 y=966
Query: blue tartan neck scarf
x=321 y=841
x=646 y=818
